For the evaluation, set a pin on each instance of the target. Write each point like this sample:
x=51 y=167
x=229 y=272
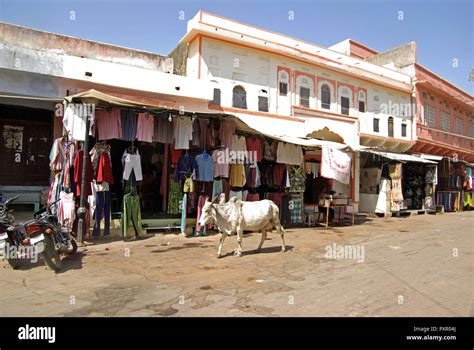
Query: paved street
x=416 y=266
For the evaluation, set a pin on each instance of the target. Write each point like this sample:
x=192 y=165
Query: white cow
x=235 y=216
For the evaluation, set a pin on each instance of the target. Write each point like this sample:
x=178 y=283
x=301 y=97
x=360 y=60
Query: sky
x=442 y=29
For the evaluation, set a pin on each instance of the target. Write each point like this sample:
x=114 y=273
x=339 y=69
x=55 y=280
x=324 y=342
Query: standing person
x=322 y=196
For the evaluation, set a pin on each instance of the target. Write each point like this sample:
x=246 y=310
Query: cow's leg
x=281 y=231
x=264 y=236
x=221 y=244
x=240 y=233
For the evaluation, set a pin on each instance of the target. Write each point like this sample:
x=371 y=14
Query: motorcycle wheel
x=50 y=255
x=73 y=248
x=13 y=262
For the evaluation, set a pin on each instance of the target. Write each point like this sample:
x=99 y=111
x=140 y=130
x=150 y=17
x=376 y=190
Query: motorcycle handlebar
x=9 y=200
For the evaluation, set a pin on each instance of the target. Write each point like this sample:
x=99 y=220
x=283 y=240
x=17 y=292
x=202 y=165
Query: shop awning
x=399 y=157
x=110 y=99
x=281 y=130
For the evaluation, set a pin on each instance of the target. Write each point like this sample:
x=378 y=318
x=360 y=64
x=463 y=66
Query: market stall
x=391 y=182
x=151 y=165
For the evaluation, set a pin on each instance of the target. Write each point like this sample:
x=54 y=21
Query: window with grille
x=263 y=103
x=239 y=97
x=390 y=126
x=429 y=116
x=217 y=97
x=445 y=122
x=283 y=84
x=304 y=96
x=361 y=102
x=325 y=96
x=376 y=125
x=471 y=131
x=345 y=103
x=404 y=130
x=458 y=126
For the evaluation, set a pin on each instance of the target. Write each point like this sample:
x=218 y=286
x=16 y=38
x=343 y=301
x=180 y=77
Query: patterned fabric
x=296 y=207
x=174 y=197
x=297 y=180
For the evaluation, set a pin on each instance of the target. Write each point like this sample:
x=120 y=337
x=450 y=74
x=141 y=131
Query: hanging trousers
x=131 y=214
x=102 y=210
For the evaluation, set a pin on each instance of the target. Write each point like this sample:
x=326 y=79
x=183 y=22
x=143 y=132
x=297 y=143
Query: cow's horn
x=215 y=199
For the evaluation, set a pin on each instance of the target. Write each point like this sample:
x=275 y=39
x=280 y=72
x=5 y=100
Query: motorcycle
x=44 y=233
x=18 y=241
x=60 y=238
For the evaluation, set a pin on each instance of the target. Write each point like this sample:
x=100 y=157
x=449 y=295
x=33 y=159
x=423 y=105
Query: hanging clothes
x=174 y=197
x=237 y=175
x=297 y=180
x=196 y=133
x=217 y=188
x=269 y=150
x=132 y=161
x=204 y=167
x=74 y=120
x=95 y=154
x=57 y=155
x=108 y=124
x=66 y=210
x=237 y=194
x=78 y=162
x=131 y=214
x=163 y=130
x=221 y=164
x=145 y=127
x=252 y=197
x=104 y=171
x=254 y=147
x=129 y=124
x=186 y=166
x=226 y=134
x=188 y=185
x=240 y=149
x=289 y=154
x=102 y=210
x=295 y=209
x=183 y=132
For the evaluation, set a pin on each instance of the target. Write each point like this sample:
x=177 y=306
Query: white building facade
x=300 y=89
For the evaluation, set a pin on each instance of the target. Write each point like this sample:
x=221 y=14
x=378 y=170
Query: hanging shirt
x=237 y=175
x=289 y=154
x=205 y=167
x=74 y=120
x=297 y=180
x=78 y=161
x=186 y=166
x=129 y=125
x=57 y=156
x=226 y=134
x=221 y=164
x=145 y=127
x=240 y=148
x=183 y=132
x=254 y=147
x=104 y=171
x=163 y=130
x=108 y=124
x=269 y=150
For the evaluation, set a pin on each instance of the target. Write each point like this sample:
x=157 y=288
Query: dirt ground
x=416 y=266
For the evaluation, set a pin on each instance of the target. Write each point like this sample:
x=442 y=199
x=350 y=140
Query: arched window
x=325 y=96
x=239 y=97
x=390 y=126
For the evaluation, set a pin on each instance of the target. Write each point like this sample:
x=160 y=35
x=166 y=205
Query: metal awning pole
x=81 y=212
